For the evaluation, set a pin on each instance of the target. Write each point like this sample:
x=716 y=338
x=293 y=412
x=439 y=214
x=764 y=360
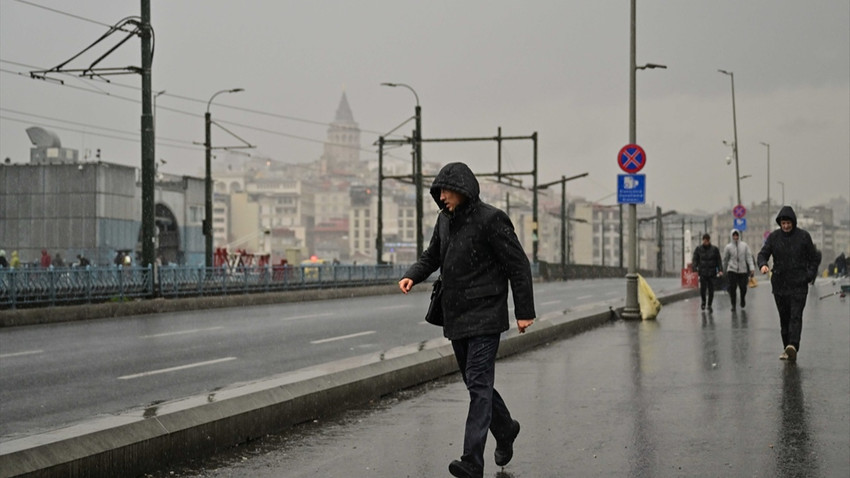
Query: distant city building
x=93 y=209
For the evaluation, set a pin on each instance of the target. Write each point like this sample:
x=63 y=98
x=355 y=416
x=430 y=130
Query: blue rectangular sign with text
x=631 y=188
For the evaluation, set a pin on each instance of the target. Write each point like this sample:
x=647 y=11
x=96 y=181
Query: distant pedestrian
x=3 y=261
x=739 y=266
x=707 y=263
x=83 y=261
x=841 y=264
x=795 y=265
x=45 y=259
x=58 y=261
x=477 y=251
x=16 y=261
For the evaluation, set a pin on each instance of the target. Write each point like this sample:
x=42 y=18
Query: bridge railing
x=35 y=287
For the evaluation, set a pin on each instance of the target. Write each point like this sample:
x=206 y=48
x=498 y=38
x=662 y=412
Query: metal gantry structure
x=506 y=178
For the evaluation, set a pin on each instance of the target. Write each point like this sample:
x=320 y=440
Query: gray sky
x=559 y=68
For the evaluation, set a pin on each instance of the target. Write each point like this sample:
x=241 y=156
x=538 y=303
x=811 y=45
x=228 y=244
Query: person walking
x=3 y=261
x=477 y=251
x=707 y=264
x=15 y=263
x=795 y=265
x=739 y=266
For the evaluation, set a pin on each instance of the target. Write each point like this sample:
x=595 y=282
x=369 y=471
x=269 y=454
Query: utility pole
x=148 y=151
x=379 y=238
x=631 y=310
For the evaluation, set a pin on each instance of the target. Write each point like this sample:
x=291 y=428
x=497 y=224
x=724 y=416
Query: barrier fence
x=35 y=287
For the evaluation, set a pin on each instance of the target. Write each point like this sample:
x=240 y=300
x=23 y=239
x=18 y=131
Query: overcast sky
x=558 y=68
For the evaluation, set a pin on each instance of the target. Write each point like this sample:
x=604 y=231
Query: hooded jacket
x=737 y=256
x=478 y=254
x=795 y=258
x=706 y=260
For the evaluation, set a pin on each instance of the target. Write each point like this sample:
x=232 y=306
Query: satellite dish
x=43 y=138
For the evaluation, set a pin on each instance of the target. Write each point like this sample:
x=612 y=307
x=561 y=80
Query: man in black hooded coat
x=476 y=249
x=795 y=266
x=707 y=262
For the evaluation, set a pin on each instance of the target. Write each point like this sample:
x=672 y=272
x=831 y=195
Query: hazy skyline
x=557 y=68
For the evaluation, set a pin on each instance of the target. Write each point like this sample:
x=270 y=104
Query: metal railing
x=34 y=287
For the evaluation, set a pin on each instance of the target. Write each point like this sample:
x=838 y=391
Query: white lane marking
x=310 y=316
x=584 y=297
x=174 y=369
x=391 y=307
x=19 y=354
x=551 y=302
x=167 y=334
x=342 y=337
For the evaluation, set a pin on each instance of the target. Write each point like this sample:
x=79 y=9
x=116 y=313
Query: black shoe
x=733 y=308
x=702 y=306
x=710 y=309
x=743 y=303
x=462 y=469
x=505 y=450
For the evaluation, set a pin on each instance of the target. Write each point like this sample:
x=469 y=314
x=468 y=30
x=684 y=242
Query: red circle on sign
x=631 y=158
x=739 y=211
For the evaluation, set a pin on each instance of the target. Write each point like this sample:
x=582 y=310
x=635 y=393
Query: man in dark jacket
x=478 y=253
x=707 y=263
x=795 y=265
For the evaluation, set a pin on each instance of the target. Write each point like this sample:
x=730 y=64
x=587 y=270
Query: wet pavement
x=688 y=394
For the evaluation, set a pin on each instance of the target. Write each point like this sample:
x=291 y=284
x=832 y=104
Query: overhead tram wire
x=185 y=98
x=94 y=90
x=61 y=12
x=101 y=135
x=87 y=125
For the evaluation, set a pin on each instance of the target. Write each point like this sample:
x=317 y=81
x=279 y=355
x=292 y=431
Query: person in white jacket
x=739 y=266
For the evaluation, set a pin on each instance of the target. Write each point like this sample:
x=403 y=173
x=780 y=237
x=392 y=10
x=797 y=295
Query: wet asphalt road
x=689 y=394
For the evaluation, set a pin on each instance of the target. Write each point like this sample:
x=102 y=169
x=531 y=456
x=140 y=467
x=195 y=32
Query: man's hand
x=523 y=324
x=405 y=285
x=765 y=269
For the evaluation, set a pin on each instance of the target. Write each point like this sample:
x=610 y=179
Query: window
x=196 y=214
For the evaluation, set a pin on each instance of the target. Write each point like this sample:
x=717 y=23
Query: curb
x=140 y=441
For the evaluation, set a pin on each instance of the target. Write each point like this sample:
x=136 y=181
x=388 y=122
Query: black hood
x=787 y=212
x=455 y=177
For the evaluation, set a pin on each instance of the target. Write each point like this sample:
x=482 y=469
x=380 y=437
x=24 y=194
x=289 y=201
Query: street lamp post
x=735 y=132
x=157 y=95
x=767 y=145
x=783 y=191
x=417 y=166
x=208 y=202
x=632 y=308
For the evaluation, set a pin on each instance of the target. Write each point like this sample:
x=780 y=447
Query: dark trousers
x=790 y=309
x=706 y=284
x=476 y=359
x=737 y=281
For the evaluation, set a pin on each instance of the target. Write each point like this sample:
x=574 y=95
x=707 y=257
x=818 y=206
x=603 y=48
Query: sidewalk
x=689 y=394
